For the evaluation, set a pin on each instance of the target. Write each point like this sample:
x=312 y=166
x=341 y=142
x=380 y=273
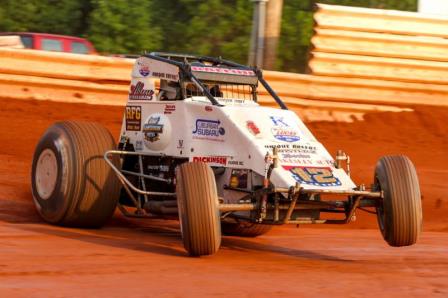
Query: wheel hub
x=46 y=173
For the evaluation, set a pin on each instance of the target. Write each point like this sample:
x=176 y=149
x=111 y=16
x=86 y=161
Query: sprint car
x=195 y=145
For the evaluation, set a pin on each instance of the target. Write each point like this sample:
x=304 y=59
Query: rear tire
x=244 y=229
x=71 y=183
x=400 y=216
x=198 y=208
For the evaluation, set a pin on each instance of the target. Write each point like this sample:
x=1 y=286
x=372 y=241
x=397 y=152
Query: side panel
x=156 y=127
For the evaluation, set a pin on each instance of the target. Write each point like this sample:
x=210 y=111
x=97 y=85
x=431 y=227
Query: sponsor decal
x=157 y=132
x=222 y=160
x=297 y=161
x=279 y=121
x=325 y=162
x=295 y=155
x=231 y=101
x=208 y=108
x=169 y=108
x=285 y=134
x=168 y=76
x=138 y=92
x=241 y=72
x=208 y=130
x=294 y=158
x=278 y=146
x=133 y=118
x=180 y=144
x=152 y=129
x=305 y=149
x=139 y=145
x=318 y=176
x=143 y=69
x=286 y=148
x=252 y=127
x=235 y=163
x=161 y=168
x=283 y=131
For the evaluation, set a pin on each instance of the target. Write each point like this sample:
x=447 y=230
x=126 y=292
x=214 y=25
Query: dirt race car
x=196 y=145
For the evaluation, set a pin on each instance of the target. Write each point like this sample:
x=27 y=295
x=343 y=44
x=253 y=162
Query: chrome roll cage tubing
x=128 y=183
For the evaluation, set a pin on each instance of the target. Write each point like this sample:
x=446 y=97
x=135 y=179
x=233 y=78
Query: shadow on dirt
x=18 y=211
x=248 y=246
x=163 y=237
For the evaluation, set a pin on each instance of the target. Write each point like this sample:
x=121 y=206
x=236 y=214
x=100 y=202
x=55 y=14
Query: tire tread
x=402 y=203
x=197 y=196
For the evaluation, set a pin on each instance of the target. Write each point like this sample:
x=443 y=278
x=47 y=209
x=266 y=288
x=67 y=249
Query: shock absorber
x=341 y=156
x=271 y=162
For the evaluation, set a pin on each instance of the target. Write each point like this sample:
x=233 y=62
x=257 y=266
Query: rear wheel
x=400 y=214
x=244 y=229
x=198 y=208
x=71 y=183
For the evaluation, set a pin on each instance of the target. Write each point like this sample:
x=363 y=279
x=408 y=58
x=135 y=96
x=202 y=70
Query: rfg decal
x=133 y=118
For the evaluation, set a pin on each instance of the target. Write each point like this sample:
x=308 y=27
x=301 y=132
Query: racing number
x=315 y=175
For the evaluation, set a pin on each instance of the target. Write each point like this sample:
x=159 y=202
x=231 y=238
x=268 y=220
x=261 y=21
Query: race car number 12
x=315 y=176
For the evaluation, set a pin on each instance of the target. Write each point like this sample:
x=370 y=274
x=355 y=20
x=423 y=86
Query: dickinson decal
x=222 y=160
x=208 y=130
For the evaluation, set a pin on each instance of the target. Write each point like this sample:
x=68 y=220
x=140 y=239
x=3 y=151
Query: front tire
x=198 y=208
x=400 y=214
x=71 y=183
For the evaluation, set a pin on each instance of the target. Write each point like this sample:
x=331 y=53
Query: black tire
x=198 y=208
x=244 y=229
x=400 y=216
x=86 y=189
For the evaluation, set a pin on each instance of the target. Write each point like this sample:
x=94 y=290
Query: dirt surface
x=147 y=258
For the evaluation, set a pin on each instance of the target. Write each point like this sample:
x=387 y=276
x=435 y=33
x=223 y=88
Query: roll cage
x=190 y=67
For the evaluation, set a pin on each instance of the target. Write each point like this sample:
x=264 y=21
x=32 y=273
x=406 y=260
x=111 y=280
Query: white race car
x=196 y=144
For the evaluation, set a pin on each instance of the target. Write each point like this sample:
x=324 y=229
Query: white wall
x=439 y=7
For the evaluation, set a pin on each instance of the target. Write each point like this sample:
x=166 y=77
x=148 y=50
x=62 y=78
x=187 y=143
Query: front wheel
x=199 y=216
x=400 y=214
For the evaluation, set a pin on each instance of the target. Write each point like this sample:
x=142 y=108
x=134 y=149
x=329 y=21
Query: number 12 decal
x=314 y=176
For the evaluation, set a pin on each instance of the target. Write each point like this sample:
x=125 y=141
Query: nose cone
x=302 y=159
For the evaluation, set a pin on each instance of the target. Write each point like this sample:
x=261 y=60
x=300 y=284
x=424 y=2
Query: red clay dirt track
x=146 y=258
